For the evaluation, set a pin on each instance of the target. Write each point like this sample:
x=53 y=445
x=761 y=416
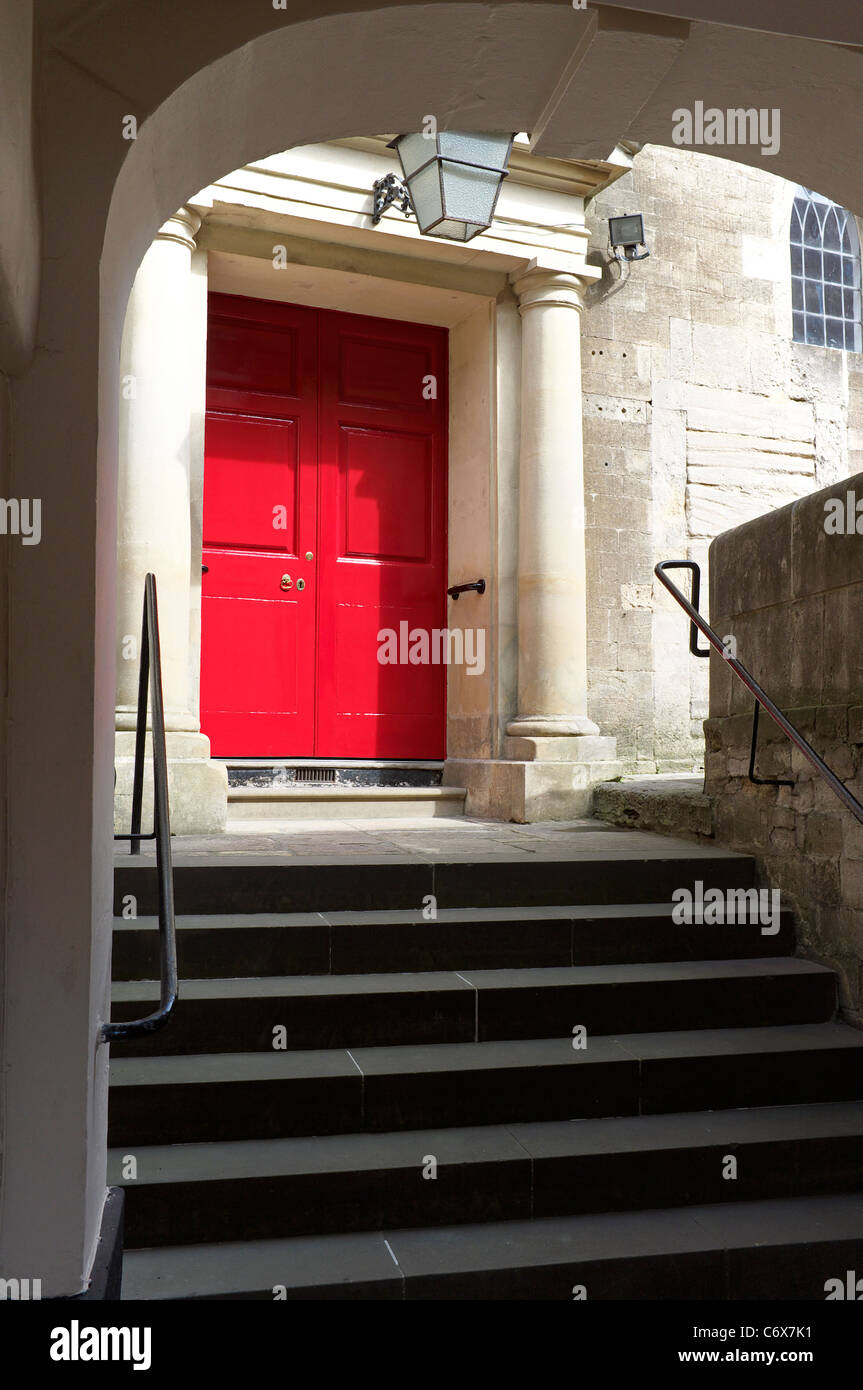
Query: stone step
x=375 y=1010
x=337 y=802
x=240 y=883
x=670 y=803
x=229 y=1096
x=187 y=1193
x=764 y=1250
x=212 y=946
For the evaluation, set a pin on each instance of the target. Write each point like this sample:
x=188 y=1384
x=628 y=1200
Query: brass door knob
x=309 y=555
x=287 y=581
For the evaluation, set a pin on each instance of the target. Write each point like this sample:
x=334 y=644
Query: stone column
x=161 y=361
x=552 y=630
x=552 y=725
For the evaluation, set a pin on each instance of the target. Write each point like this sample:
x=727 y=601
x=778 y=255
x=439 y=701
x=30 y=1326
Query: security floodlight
x=627 y=234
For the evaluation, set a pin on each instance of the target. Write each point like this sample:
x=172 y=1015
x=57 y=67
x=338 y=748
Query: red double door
x=324 y=525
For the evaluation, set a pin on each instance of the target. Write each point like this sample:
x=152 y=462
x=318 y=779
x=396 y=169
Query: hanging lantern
x=452 y=180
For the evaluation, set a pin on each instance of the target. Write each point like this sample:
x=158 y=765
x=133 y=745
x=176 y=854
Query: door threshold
x=429 y=765
x=334 y=772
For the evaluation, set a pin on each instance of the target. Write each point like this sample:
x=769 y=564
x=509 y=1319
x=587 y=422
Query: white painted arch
x=219 y=85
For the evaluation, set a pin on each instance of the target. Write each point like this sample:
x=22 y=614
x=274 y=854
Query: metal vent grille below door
x=318 y=775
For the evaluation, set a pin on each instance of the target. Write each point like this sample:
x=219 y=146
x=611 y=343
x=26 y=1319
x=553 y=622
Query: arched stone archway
x=220 y=84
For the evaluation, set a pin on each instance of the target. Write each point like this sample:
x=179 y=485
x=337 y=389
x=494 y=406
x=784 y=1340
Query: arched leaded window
x=825 y=273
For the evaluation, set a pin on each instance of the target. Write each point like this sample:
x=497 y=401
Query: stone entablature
x=323 y=192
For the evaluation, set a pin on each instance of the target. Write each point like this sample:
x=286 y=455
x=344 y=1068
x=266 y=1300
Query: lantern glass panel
x=414 y=151
x=426 y=195
x=476 y=148
x=455 y=231
x=469 y=194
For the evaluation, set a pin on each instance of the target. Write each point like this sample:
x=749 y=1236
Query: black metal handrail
x=150 y=675
x=698 y=624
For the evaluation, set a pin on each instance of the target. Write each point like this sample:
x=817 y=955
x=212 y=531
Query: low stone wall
x=788 y=588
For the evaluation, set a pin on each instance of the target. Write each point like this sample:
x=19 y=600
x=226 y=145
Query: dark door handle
x=478 y=585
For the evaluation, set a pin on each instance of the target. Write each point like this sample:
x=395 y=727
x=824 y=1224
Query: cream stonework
x=700 y=412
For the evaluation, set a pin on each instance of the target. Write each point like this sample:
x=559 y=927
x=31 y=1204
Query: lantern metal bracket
x=388 y=191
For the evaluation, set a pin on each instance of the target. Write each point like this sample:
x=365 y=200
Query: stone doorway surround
x=296 y=227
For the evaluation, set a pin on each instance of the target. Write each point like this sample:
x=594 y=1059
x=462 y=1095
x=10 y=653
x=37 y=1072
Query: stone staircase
x=428 y=1128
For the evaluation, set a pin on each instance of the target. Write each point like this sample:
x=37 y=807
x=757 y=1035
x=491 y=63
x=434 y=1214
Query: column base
x=541 y=780
x=197 y=786
x=551 y=726
x=177 y=720
x=582 y=748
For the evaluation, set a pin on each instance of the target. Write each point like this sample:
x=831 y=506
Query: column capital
x=539 y=287
x=182 y=227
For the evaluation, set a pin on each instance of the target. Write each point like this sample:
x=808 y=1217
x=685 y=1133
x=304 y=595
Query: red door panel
x=253 y=482
x=320 y=439
x=260 y=355
x=260 y=516
x=383 y=504
x=269 y=679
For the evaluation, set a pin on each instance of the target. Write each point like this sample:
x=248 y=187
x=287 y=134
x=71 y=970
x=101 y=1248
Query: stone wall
x=790 y=593
x=700 y=413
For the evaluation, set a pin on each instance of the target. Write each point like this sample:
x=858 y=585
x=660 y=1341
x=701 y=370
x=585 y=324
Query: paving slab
x=395 y=840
